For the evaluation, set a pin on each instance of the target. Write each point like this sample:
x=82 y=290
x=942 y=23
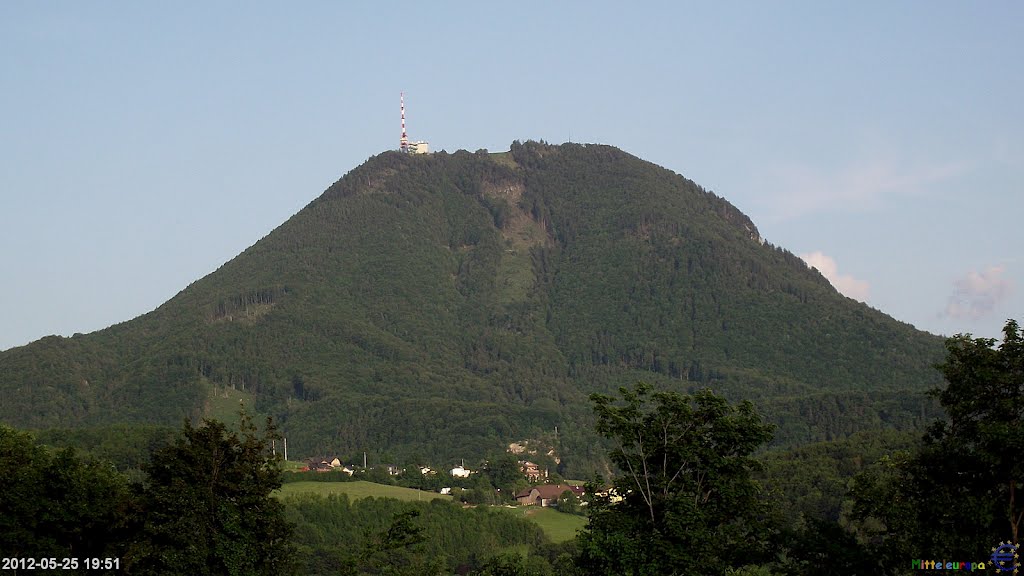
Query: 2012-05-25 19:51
x=60 y=563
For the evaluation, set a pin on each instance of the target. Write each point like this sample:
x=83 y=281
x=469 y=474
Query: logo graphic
x=1004 y=557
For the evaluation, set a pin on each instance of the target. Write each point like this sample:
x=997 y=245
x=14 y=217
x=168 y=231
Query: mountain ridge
x=472 y=299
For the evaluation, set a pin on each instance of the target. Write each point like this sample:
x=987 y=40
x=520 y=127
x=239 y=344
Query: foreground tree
x=208 y=508
x=961 y=492
x=689 y=505
x=56 y=504
x=985 y=405
x=396 y=551
x=569 y=503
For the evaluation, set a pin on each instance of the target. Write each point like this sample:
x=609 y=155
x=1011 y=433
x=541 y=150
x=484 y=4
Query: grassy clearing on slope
x=504 y=158
x=558 y=526
x=225 y=403
x=356 y=490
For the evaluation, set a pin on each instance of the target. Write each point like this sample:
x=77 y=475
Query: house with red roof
x=545 y=494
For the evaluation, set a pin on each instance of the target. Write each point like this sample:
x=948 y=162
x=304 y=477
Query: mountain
x=444 y=305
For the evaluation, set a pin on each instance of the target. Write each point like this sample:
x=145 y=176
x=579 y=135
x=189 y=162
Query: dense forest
x=690 y=492
x=437 y=307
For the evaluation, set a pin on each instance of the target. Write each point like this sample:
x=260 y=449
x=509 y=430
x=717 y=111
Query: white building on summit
x=418 y=147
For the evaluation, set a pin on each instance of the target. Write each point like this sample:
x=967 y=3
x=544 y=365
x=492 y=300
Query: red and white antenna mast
x=403 y=144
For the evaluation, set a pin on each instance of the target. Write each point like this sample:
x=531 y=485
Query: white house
x=460 y=472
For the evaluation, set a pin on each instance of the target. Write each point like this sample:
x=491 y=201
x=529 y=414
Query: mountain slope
x=443 y=305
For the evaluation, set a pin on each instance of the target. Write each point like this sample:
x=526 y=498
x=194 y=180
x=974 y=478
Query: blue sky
x=143 y=145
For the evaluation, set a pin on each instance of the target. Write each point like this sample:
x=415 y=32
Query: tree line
x=690 y=494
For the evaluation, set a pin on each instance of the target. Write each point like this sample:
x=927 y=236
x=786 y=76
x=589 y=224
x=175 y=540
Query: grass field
x=359 y=489
x=558 y=526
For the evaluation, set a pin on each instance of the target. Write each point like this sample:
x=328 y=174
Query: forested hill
x=440 y=306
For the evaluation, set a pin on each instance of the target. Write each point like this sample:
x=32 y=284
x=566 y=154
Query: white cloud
x=846 y=284
x=977 y=294
x=801 y=190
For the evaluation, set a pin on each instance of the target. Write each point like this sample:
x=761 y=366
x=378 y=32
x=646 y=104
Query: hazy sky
x=142 y=145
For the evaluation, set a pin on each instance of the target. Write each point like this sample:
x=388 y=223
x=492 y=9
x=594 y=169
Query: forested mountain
x=440 y=306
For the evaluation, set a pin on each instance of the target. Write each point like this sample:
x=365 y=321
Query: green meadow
x=557 y=526
x=357 y=489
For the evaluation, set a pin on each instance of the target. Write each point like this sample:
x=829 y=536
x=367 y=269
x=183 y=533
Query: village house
x=610 y=493
x=546 y=494
x=319 y=465
x=531 y=471
x=325 y=465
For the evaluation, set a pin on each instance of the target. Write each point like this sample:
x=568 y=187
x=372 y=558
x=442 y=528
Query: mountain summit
x=444 y=305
